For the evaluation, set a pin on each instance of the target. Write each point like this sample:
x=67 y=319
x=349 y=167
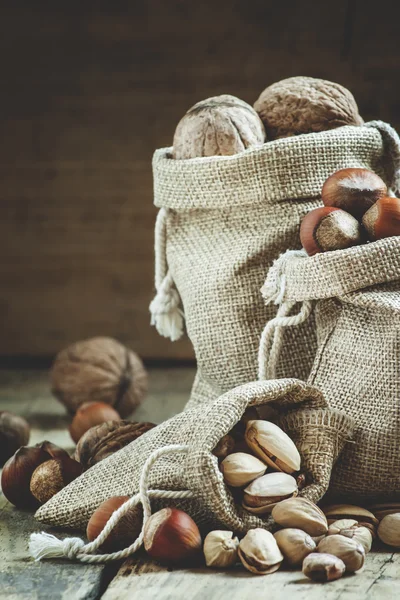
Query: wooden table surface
x=27 y=393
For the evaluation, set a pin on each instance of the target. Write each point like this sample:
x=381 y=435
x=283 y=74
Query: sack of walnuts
x=176 y=460
x=223 y=220
x=355 y=296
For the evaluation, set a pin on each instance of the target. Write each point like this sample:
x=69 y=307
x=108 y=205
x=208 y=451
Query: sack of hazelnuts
x=354 y=293
x=178 y=463
x=231 y=200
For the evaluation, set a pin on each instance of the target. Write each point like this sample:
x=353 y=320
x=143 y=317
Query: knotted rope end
x=44 y=545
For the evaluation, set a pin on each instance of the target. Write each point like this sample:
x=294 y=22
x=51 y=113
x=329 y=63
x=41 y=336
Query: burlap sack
x=223 y=221
x=189 y=466
x=357 y=294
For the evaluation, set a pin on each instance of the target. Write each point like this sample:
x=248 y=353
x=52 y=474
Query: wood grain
x=89 y=90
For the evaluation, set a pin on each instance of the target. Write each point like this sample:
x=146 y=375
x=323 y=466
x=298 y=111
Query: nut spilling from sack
x=357 y=209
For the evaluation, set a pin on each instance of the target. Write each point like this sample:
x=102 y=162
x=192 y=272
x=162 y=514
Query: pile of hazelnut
x=357 y=209
x=99 y=381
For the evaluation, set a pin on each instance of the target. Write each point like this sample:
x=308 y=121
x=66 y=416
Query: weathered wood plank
x=28 y=393
x=147 y=580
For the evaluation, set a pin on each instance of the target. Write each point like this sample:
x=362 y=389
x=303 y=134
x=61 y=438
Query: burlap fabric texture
x=357 y=308
x=222 y=222
x=318 y=432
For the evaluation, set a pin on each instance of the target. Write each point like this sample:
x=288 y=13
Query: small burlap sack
x=173 y=465
x=357 y=308
x=222 y=222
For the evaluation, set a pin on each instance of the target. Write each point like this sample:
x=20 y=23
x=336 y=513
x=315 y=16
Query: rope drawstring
x=44 y=545
x=166 y=313
x=273 y=290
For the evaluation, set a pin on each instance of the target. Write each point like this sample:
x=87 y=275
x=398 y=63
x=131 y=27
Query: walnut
x=102 y=440
x=219 y=126
x=305 y=105
x=99 y=369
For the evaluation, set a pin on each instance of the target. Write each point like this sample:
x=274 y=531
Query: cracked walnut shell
x=101 y=370
x=305 y=105
x=102 y=440
x=219 y=126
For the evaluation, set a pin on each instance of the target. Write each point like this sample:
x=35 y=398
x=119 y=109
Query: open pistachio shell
x=263 y=493
x=273 y=446
x=259 y=552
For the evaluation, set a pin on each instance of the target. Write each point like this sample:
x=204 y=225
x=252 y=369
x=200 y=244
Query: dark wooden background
x=90 y=89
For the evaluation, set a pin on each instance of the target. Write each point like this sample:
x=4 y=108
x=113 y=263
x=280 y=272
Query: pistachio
x=220 y=549
x=317 y=538
x=323 y=567
x=381 y=510
x=364 y=517
x=261 y=495
x=349 y=551
x=350 y=511
x=302 y=514
x=294 y=544
x=240 y=468
x=273 y=446
x=362 y=535
x=336 y=526
x=259 y=552
x=389 y=530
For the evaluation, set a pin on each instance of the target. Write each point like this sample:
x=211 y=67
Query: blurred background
x=89 y=90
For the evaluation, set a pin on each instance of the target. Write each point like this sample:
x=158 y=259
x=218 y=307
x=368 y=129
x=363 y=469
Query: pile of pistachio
x=324 y=543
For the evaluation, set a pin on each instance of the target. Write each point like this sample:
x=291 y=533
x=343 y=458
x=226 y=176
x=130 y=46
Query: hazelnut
x=305 y=105
x=219 y=126
x=102 y=440
x=14 y=433
x=382 y=220
x=17 y=473
x=124 y=533
x=171 y=536
x=353 y=190
x=322 y=567
x=327 y=228
x=90 y=414
x=99 y=370
x=52 y=476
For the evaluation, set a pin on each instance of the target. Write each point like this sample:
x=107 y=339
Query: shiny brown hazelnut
x=353 y=190
x=99 y=369
x=124 y=533
x=52 y=476
x=90 y=414
x=17 y=473
x=172 y=537
x=14 y=433
x=102 y=440
x=383 y=219
x=328 y=228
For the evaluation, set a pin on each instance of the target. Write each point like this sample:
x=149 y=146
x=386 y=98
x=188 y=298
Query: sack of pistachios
x=355 y=296
x=223 y=220
x=176 y=464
